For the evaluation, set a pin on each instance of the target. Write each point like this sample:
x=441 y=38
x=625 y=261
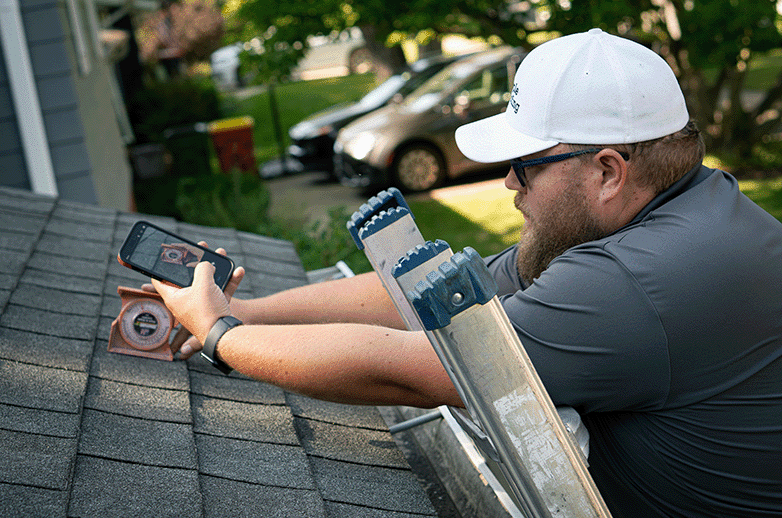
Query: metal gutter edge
x=461 y=468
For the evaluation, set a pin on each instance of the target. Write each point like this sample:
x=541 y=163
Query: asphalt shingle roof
x=85 y=432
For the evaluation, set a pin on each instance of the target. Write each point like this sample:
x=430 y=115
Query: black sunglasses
x=519 y=165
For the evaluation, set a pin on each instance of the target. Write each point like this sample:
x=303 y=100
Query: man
x=645 y=288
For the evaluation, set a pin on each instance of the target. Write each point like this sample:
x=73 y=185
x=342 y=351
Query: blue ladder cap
x=418 y=256
x=383 y=200
x=381 y=221
x=455 y=286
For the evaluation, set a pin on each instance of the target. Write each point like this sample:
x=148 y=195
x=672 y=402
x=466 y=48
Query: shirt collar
x=693 y=177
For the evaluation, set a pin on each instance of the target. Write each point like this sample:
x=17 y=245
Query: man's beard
x=563 y=225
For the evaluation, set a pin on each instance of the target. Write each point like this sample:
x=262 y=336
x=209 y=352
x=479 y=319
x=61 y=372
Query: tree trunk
x=385 y=60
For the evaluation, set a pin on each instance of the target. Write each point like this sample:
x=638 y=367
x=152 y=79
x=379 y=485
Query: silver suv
x=411 y=144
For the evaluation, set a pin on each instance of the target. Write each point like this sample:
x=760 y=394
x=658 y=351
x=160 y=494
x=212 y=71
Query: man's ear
x=614 y=174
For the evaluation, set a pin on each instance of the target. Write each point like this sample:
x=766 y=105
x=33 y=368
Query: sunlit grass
x=489 y=205
x=480 y=215
x=766 y=193
x=483 y=217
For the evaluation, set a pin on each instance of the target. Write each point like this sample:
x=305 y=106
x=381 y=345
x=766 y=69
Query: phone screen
x=165 y=256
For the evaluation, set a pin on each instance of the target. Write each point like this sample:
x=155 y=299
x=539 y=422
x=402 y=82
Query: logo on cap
x=513 y=103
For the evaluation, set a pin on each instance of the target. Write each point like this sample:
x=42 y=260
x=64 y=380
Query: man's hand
x=198 y=306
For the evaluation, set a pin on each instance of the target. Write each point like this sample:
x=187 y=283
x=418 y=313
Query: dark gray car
x=411 y=144
x=313 y=138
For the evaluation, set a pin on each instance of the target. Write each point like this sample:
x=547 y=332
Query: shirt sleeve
x=503 y=268
x=591 y=332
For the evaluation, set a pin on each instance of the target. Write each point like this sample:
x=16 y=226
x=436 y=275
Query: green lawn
x=295 y=101
x=766 y=193
x=485 y=218
x=480 y=216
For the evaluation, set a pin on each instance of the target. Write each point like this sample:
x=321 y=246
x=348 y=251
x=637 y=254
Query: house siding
x=87 y=152
x=13 y=170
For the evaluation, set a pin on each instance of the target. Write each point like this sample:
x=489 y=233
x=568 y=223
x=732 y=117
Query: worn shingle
x=234 y=498
x=45 y=388
x=48 y=323
x=256 y=462
x=32 y=502
x=337 y=413
x=74 y=266
x=361 y=446
x=138 y=371
x=41 y=422
x=36 y=460
x=370 y=486
x=141 y=441
x=17 y=241
x=51 y=278
x=72 y=247
x=56 y=301
x=234 y=388
x=12 y=262
x=248 y=421
x=45 y=350
x=138 y=401
x=103 y=487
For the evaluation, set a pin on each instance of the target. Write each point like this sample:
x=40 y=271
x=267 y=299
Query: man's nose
x=511 y=181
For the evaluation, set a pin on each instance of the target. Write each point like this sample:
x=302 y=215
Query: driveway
x=312 y=194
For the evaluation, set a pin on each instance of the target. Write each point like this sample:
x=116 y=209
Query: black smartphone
x=167 y=257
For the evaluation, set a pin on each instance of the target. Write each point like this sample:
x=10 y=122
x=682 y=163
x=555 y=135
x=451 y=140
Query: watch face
x=145 y=324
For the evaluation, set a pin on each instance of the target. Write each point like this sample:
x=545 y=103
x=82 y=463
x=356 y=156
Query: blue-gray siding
x=49 y=44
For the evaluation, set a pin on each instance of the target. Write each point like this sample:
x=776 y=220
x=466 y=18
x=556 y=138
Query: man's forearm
x=361 y=299
x=347 y=363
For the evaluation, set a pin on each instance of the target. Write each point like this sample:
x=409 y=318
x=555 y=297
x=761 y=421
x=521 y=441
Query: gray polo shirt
x=667 y=337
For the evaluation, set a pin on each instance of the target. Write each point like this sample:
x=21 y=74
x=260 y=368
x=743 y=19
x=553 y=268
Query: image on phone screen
x=168 y=257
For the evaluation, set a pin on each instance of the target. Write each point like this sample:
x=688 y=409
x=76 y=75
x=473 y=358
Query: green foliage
x=695 y=36
x=193 y=30
x=323 y=244
x=156 y=196
x=281 y=30
x=692 y=35
x=162 y=105
x=237 y=200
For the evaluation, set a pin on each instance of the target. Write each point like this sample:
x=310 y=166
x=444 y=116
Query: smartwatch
x=209 y=353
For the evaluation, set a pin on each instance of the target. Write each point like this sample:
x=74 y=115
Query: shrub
x=180 y=101
x=238 y=200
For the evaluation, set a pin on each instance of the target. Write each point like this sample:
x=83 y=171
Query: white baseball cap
x=586 y=88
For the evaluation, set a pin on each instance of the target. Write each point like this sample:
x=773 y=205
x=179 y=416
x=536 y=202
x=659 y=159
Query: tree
x=708 y=43
x=188 y=31
x=282 y=28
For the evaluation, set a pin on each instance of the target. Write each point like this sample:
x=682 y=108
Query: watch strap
x=222 y=326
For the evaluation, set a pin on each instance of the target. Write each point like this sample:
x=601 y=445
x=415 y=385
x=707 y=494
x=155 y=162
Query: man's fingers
x=180 y=337
x=233 y=284
x=164 y=289
x=189 y=348
x=204 y=273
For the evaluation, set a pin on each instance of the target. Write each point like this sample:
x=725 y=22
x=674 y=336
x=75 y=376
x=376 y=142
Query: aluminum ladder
x=452 y=298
